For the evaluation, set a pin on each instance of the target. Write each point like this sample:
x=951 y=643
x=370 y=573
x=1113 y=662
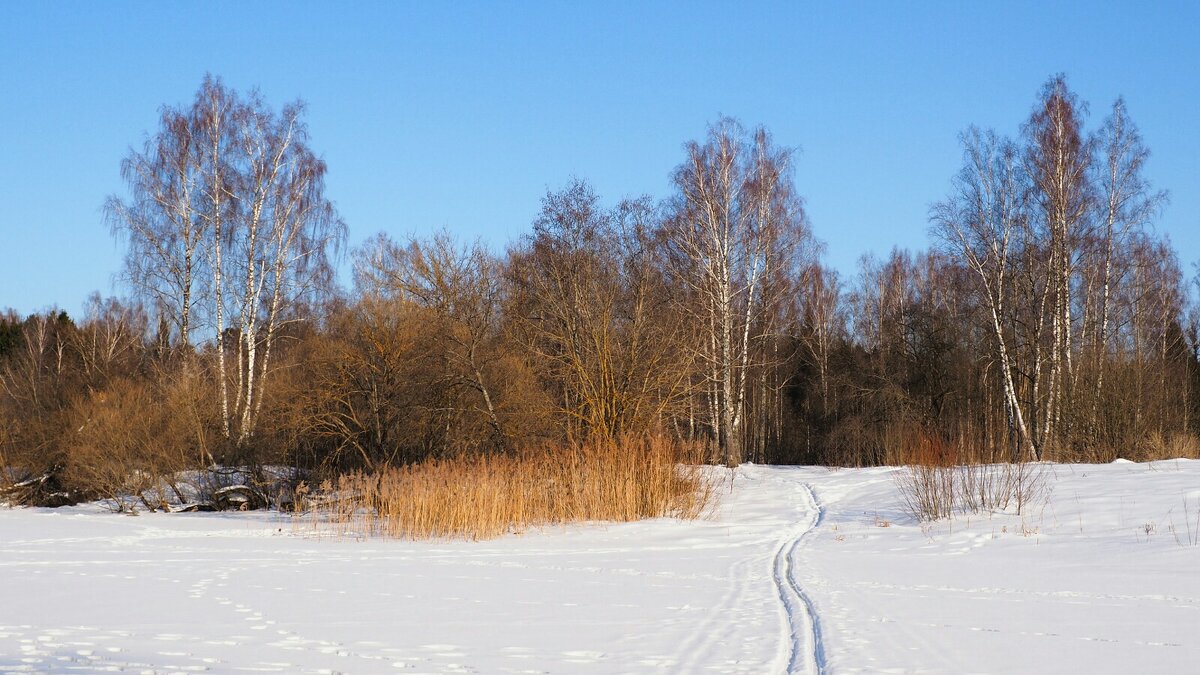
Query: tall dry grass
x=1159 y=446
x=480 y=497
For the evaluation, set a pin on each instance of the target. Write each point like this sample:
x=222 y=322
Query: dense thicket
x=1048 y=320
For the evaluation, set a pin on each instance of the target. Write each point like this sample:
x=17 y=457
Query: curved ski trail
x=805 y=651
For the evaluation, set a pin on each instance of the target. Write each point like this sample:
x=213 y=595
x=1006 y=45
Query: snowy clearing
x=801 y=569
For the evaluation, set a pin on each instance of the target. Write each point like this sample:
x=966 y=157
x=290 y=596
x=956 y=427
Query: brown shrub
x=941 y=478
x=118 y=450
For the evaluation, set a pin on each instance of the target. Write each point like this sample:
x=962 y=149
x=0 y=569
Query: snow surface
x=801 y=569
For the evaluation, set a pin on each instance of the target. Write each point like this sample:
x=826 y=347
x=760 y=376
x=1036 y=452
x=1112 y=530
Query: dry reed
x=480 y=497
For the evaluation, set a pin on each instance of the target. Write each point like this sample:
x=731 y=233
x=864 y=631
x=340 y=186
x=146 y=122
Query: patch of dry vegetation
x=941 y=478
x=485 y=496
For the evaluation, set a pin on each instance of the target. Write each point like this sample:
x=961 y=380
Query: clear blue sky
x=461 y=115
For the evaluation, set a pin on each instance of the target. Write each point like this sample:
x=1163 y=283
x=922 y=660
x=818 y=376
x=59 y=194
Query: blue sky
x=461 y=115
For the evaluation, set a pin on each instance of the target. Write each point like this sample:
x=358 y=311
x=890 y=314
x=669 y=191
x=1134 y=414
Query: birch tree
x=215 y=116
x=284 y=232
x=227 y=221
x=737 y=224
x=1058 y=158
x=981 y=224
x=161 y=220
x=1127 y=203
x=821 y=324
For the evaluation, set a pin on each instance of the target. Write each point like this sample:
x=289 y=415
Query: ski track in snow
x=803 y=649
x=801 y=570
x=800 y=648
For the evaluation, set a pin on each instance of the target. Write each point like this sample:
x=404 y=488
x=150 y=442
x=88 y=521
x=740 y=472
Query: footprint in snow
x=583 y=656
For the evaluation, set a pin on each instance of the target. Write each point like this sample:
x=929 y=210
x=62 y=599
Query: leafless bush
x=927 y=492
x=936 y=492
x=116 y=452
x=998 y=487
x=933 y=485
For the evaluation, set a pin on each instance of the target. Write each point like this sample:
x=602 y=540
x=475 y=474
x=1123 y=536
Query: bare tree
x=589 y=304
x=228 y=220
x=738 y=224
x=161 y=220
x=460 y=288
x=1126 y=206
x=111 y=334
x=284 y=232
x=821 y=323
x=214 y=114
x=982 y=224
x=1058 y=159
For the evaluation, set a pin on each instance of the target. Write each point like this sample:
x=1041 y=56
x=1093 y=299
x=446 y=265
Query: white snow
x=1101 y=578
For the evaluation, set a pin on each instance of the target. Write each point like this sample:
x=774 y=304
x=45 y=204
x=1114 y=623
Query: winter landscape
x=799 y=570
x=544 y=337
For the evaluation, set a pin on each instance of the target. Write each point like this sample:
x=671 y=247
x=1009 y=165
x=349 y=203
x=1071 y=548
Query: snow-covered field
x=800 y=569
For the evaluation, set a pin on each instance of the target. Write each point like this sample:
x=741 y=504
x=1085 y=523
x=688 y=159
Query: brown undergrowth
x=481 y=497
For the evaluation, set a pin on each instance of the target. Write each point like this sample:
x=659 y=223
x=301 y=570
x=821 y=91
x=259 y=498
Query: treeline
x=1048 y=320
